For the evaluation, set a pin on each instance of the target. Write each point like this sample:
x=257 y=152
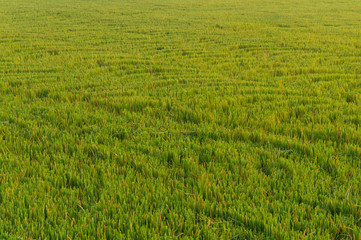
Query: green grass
x=160 y=119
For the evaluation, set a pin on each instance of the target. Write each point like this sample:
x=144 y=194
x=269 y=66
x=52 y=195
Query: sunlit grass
x=181 y=119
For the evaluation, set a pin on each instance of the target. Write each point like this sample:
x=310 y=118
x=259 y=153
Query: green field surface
x=180 y=119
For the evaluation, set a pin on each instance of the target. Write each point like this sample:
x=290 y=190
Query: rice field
x=219 y=119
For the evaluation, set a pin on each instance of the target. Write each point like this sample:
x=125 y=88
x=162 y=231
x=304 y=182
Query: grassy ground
x=181 y=119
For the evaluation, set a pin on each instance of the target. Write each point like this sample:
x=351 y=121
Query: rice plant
x=188 y=119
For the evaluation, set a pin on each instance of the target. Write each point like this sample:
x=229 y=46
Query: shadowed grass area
x=180 y=119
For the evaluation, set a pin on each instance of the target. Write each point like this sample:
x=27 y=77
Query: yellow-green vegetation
x=141 y=119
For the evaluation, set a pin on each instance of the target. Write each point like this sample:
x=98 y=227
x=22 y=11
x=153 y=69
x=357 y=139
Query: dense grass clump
x=180 y=119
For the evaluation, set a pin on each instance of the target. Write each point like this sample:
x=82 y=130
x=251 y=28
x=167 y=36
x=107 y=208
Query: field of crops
x=155 y=119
